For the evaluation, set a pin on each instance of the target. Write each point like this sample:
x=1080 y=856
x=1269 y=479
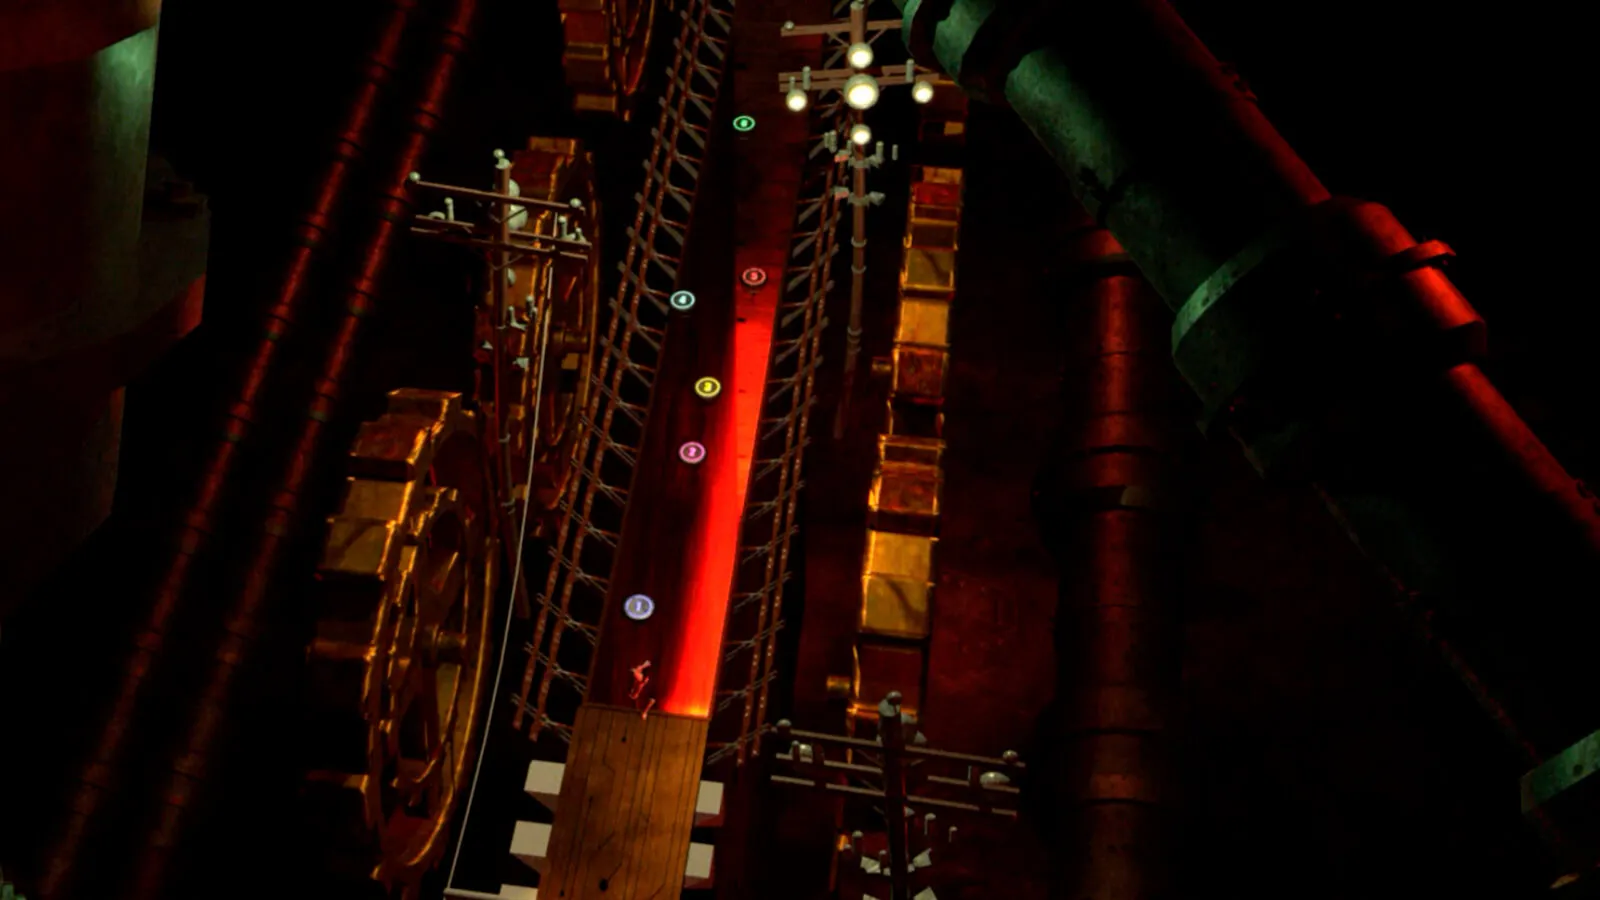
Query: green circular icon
x=744 y=123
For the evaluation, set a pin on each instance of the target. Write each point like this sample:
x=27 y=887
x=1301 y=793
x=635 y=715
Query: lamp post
x=860 y=89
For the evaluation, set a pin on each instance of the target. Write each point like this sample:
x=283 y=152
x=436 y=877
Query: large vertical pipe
x=189 y=767
x=95 y=782
x=76 y=83
x=1319 y=332
x=1107 y=506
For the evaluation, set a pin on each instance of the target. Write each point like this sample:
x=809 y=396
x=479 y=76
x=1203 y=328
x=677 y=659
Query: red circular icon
x=692 y=452
x=753 y=277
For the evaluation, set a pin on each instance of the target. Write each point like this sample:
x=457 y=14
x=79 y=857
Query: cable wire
x=516 y=577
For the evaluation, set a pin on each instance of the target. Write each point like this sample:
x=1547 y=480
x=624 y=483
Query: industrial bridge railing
x=622 y=375
x=770 y=513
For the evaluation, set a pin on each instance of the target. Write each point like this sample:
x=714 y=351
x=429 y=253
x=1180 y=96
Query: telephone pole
x=860 y=89
x=903 y=775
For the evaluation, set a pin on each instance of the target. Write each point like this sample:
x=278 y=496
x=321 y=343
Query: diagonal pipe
x=1316 y=330
x=95 y=783
x=189 y=766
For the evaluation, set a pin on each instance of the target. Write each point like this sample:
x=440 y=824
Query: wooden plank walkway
x=621 y=829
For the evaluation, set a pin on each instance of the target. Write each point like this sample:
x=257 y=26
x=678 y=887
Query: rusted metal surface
x=1108 y=508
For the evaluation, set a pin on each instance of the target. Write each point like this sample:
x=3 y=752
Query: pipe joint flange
x=1342 y=300
x=977 y=42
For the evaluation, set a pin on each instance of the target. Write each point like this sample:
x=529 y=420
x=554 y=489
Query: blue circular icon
x=638 y=607
x=692 y=452
x=681 y=300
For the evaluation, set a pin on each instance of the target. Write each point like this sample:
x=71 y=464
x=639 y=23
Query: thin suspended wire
x=516 y=578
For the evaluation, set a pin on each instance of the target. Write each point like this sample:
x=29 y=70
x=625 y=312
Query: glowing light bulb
x=859 y=55
x=922 y=91
x=860 y=91
x=860 y=134
x=795 y=100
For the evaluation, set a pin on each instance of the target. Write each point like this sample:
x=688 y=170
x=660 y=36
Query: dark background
x=1327 y=754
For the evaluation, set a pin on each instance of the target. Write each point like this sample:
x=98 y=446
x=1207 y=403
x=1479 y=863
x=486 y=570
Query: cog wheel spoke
x=402 y=646
x=607 y=42
x=544 y=358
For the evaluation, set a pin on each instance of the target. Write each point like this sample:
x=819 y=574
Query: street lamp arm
x=826 y=765
x=877 y=25
x=913 y=801
x=833 y=79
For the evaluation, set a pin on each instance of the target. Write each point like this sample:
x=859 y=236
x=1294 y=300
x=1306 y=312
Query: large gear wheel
x=397 y=668
x=545 y=363
x=607 y=42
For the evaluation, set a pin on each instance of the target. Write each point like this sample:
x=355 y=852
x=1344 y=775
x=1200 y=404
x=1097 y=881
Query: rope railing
x=624 y=371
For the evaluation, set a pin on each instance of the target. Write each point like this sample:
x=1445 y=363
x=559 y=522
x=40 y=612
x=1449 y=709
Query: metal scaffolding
x=623 y=374
x=770 y=514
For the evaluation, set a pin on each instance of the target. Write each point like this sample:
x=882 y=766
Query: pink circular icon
x=692 y=452
x=753 y=277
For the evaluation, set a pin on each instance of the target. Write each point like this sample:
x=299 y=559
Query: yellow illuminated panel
x=928 y=270
x=901 y=555
x=896 y=607
x=896 y=582
x=925 y=321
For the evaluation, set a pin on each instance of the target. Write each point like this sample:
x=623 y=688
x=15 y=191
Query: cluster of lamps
x=860 y=89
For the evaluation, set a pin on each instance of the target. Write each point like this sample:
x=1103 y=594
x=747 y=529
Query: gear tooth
x=360 y=549
x=406 y=560
x=393 y=448
x=433 y=406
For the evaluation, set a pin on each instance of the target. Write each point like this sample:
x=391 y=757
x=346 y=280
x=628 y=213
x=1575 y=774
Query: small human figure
x=640 y=680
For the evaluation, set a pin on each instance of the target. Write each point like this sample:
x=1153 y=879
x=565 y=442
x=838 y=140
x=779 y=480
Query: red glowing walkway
x=769 y=163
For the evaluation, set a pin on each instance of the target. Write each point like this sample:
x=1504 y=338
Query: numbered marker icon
x=753 y=277
x=692 y=452
x=681 y=301
x=638 y=607
x=707 y=388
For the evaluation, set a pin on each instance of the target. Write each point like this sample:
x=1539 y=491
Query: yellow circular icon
x=707 y=387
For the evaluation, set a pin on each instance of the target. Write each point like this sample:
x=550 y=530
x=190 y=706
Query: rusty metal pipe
x=1316 y=330
x=189 y=768
x=1107 y=504
x=95 y=782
